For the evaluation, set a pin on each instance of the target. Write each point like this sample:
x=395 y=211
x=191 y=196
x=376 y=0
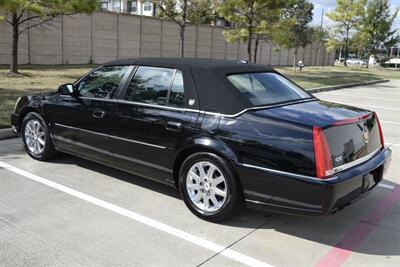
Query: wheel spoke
x=194 y=186
x=29 y=128
x=194 y=176
x=206 y=202
x=219 y=192
x=211 y=171
x=197 y=197
x=215 y=201
x=200 y=166
x=218 y=180
x=41 y=141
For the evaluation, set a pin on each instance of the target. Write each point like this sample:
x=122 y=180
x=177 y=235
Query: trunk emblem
x=339 y=159
x=365 y=135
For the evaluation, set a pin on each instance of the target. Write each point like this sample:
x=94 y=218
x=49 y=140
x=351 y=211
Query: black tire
x=234 y=194
x=48 y=151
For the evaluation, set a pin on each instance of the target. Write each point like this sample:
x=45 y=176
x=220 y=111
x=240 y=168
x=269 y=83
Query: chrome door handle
x=173 y=126
x=98 y=114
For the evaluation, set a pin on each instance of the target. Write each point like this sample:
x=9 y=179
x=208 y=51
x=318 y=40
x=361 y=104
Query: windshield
x=266 y=88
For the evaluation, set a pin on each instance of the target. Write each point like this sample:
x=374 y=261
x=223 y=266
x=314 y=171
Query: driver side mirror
x=66 y=89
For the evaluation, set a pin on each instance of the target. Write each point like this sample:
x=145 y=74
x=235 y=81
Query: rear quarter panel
x=273 y=144
x=270 y=143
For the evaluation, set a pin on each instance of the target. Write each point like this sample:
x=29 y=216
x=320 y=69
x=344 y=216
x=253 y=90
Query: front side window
x=266 y=88
x=103 y=82
x=160 y=86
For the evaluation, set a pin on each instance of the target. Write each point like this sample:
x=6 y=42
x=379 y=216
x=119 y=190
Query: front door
x=81 y=123
x=153 y=121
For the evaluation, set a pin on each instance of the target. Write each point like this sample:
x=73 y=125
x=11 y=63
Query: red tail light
x=380 y=130
x=323 y=160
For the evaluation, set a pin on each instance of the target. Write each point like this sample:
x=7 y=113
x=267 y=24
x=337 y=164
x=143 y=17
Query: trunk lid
x=353 y=135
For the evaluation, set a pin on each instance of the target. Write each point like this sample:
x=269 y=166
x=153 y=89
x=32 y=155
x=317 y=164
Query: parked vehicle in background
x=392 y=63
x=225 y=133
x=357 y=61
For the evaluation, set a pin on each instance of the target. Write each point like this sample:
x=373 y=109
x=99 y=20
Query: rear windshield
x=266 y=88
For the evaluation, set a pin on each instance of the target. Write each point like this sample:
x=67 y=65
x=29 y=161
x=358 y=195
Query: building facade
x=137 y=7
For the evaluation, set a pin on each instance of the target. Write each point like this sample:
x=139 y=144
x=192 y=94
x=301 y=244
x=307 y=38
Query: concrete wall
x=101 y=37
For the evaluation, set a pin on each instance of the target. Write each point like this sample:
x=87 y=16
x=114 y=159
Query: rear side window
x=266 y=88
x=177 y=94
x=160 y=86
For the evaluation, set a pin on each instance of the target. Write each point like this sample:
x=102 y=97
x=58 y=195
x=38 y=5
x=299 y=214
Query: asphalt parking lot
x=74 y=212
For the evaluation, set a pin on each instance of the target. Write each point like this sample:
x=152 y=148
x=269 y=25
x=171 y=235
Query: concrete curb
x=342 y=86
x=7 y=133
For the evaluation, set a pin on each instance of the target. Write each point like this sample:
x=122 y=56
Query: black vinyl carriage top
x=213 y=92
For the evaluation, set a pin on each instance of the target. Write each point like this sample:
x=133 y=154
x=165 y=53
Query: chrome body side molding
x=111 y=136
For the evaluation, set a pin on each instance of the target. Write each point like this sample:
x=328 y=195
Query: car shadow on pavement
x=118 y=174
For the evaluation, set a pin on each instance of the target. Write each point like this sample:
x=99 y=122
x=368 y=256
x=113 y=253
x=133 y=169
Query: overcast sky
x=329 y=5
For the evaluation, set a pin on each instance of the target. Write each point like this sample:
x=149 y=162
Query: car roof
x=187 y=62
x=213 y=90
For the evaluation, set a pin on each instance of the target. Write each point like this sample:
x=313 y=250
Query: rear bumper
x=296 y=194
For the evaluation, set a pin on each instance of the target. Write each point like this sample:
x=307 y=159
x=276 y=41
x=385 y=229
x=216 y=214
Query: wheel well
x=184 y=154
x=23 y=114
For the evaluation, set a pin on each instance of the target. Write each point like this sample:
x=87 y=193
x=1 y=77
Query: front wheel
x=36 y=137
x=209 y=187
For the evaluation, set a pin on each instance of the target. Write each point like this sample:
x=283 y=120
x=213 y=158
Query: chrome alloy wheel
x=206 y=186
x=34 y=137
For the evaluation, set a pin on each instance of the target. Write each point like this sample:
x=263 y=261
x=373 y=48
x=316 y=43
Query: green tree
x=347 y=16
x=185 y=13
x=18 y=13
x=254 y=20
x=294 y=27
x=357 y=44
x=377 y=26
x=320 y=35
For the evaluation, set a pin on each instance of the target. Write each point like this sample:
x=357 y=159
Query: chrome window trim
x=110 y=136
x=121 y=101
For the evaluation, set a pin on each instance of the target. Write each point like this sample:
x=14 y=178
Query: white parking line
x=392 y=144
x=386 y=186
x=227 y=252
x=374 y=91
x=390 y=122
x=367 y=106
x=366 y=97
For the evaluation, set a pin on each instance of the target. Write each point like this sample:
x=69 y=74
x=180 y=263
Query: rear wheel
x=36 y=137
x=209 y=187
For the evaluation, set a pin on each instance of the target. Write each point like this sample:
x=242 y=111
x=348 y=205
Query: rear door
x=81 y=124
x=153 y=121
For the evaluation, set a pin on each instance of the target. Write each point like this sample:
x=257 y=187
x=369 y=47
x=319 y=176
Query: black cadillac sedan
x=225 y=133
